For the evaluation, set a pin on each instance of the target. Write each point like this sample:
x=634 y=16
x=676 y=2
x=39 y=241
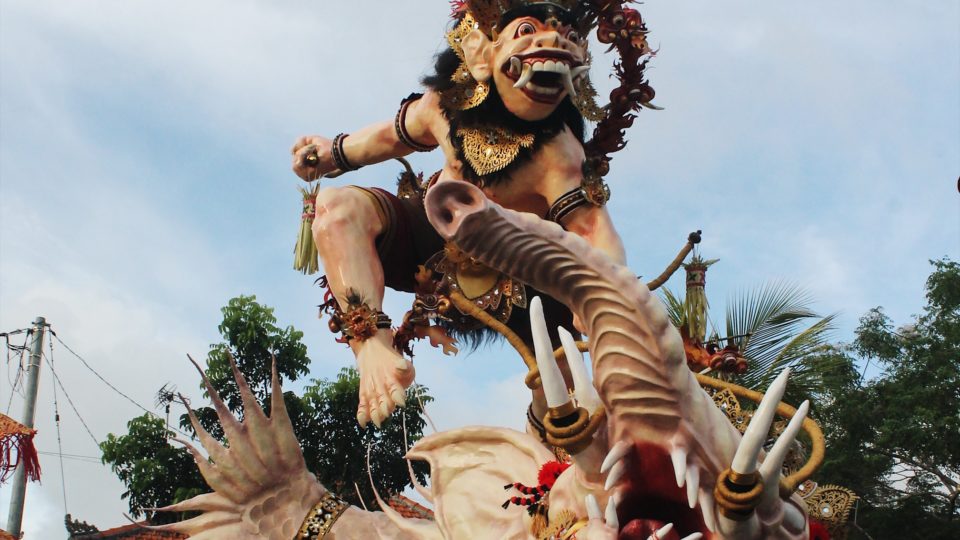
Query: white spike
x=693 y=485
x=524 y=77
x=515 y=65
x=694 y=536
x=593 y=507
x=773 y=463
x=745 y=460
x=661 y=532
x=586 y=394
x=616 y=472
x=568 y=84
x=554 y=387
x=679 y=458
x=579 y=70
x=611 y=515
x=615 y=454
x=707 y=510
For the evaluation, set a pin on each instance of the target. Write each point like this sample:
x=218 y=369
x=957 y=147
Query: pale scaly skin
x=263 y=489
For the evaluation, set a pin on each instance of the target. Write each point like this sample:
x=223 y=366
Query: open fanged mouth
x=544 y=75
x=648 y=497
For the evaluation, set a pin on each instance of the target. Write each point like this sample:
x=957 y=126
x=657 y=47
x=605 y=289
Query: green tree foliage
x=895 y=438
x=324 y=419
x=337 y=454
x=155 y=473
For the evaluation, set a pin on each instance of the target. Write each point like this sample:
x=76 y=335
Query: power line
x=56 y=417
x=70 y=401
x=75 y=457
x=112 y=387
x=22 y=349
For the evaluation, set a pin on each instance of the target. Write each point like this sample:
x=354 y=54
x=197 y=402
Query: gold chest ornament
x=492 y=149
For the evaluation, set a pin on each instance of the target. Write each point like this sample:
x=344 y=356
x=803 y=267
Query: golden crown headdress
x=488 y=13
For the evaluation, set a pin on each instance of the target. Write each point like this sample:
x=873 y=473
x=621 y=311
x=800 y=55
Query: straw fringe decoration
x=305 y=252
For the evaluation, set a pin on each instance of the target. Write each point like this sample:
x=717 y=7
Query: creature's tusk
x=554 y=388
x=616 y=453
x=515 y=65
x=611 y=514
x=662 y=532
x=579 y=70
x=745 y=460
x=568 y=84
x=584 y=391
x=524 y=77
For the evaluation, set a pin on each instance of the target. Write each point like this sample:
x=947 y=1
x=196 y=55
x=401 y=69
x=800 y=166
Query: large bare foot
x=384 y=377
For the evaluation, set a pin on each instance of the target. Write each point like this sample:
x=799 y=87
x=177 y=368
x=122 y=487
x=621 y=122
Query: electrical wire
x=56 y=418
x=75 y=457
x=70 y=401
x=22 y=350
x=112 y=387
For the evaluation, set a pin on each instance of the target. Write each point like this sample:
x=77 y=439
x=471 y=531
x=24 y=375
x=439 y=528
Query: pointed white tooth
x=773 y=463
x=679 y=458
x=515 y=65
x=524 y=77
x=611 y=515
x=586 y=394
x=568 y=84
x=693 y=485
x=579 y=70
x=614 y=455
x=694 y=536
x=554 y=389
x=616 y=472
x=661 y=532
x=593 y=507
x=707 y=510
x=745 y=460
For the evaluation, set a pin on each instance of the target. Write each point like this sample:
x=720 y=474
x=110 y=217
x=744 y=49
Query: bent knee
x=340 y=207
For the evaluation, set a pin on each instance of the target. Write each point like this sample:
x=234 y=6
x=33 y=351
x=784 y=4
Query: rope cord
x=70 y=401
x=56 y=418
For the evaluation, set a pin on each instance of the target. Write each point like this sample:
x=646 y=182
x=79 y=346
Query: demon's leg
x=345 y=230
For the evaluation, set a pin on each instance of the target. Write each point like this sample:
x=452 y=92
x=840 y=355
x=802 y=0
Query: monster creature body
x=664 y=460
x=506 y=107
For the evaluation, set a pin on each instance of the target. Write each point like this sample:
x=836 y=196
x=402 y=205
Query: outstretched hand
x=312 y=158
x=262 y=488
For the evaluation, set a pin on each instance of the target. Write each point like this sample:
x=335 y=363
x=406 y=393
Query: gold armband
x=321 y=518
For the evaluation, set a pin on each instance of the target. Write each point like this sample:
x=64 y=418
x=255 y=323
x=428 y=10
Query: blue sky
x=144 y=177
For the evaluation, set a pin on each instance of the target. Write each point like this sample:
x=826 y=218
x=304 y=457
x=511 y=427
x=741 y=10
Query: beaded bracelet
x=339 y=157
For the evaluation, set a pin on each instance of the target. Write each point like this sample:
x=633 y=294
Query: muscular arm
x=593 y=223
x=372 y=144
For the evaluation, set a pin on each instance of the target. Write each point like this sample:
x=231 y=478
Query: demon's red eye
x=526 y=29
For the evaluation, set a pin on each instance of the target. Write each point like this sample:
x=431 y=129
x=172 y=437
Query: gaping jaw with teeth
x=545 y=77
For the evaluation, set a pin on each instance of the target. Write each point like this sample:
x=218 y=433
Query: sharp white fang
x=515 y=65
x=707 y=510
x=745 y=460
x=611 y=515
x=616 y=454
x=679 y=458
x=568 y=84
x=554 y=389
x=579 y=70
x=524 y=77
x=616 y=472
x=773 y=463
x=694 y=536
x=584 y=391
x=661 y=532
x=693 y=485
x=593 y=507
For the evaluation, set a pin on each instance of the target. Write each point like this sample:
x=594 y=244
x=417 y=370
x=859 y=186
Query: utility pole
x=19 y=491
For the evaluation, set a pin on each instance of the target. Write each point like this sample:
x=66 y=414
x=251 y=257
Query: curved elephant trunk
x=638 y=360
